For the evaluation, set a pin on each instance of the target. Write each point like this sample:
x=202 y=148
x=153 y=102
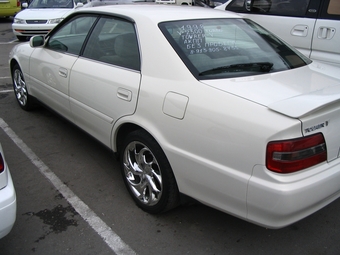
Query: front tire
x=147 y=173
x=20 y=90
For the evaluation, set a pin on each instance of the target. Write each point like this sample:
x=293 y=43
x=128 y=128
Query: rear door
x=326 y=38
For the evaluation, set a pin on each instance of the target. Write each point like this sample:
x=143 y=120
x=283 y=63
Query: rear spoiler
x=302 y=105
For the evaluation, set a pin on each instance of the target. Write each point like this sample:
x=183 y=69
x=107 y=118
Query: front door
x=50 y=65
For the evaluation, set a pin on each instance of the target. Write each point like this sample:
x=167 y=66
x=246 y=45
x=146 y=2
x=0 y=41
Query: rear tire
x=147 y=173
x=20 y=90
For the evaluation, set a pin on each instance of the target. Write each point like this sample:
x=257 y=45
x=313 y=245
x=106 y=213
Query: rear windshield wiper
x=263 y=67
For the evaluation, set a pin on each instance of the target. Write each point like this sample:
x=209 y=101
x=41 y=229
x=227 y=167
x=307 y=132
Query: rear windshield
x=41 y=4
x=223 y=48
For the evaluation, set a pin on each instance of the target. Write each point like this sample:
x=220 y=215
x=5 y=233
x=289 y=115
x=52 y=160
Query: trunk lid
x=294 y=93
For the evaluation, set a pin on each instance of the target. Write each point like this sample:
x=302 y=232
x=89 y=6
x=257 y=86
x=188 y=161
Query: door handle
x=124 y=94
x=300 y=30
x=326 y=33
x=63 y=72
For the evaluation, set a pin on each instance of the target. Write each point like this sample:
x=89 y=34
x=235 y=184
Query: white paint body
x=213 y=132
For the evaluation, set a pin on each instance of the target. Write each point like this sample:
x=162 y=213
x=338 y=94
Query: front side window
x=114 y=41
x=70 y=37
x=224 y=48
x=295 y=8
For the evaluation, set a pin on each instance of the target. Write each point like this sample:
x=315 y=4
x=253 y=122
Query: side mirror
x=79 y=5
x=24 y=5
x=37 y=40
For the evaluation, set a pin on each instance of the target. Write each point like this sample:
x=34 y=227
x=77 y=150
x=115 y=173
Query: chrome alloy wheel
x=143 y=173
x=20 y=89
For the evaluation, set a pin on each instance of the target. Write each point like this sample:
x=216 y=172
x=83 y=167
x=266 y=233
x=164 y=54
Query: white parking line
x=107 y=234
x=10 y=42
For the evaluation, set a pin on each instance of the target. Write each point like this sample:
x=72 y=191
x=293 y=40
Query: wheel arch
x=120 y=133
x=12 y=63
x=123 y=130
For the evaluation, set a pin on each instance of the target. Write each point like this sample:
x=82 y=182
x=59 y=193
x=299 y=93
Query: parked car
x=9 y=8
x=201 y=103
x=312 y=26
x=40 y=16
x=8 y=204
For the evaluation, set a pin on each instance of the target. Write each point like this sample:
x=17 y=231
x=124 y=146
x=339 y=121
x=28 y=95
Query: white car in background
x=8 y=204
x=311 y=26
x=40 y=16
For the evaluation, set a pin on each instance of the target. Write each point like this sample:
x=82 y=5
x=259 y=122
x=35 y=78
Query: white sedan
x=8 y=202
x=41 y=16
x=194 y=102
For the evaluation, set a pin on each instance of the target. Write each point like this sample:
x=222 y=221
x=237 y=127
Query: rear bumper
x=8 y=207
x=277 y=200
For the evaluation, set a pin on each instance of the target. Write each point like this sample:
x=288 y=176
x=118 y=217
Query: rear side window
x=295 y=8
x=114 y=41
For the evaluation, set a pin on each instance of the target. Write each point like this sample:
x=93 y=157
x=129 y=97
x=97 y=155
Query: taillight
x=18 y=3
x=2 y=164
x=289 y=156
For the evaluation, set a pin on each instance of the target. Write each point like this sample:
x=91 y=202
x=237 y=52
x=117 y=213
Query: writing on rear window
x=197 y=39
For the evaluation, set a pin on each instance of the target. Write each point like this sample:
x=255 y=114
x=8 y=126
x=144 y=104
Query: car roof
x=160 y=12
